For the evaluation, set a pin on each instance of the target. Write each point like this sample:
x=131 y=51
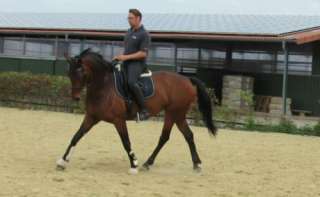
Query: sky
x=291 y=7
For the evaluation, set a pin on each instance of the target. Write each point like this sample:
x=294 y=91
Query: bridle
x=78 y=70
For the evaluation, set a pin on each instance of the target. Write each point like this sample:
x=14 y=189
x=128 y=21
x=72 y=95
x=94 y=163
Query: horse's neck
x=100 y=82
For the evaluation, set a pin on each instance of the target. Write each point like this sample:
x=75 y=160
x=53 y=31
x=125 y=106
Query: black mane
x=98 y=60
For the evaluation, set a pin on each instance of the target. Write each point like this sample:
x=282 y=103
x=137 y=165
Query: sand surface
x=236 y=163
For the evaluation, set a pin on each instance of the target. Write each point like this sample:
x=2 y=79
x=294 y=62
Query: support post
x=175 y=61
x=82 y=42
x=66 y=44
x=228 y=58
x=24 y=45
x=56 y=47
x=2 y=45
x=285 y=77
x=199 y=57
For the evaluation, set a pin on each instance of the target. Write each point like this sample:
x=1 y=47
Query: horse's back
x=173 y=88
x=169 y=75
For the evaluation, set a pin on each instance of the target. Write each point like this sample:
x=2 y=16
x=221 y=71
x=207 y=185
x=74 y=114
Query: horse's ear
x=85 y=51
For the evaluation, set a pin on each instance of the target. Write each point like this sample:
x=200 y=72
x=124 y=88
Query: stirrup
x=139 y=119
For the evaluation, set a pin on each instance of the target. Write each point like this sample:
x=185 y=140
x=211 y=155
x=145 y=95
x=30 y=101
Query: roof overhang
x=305 y=36
x=296 y=37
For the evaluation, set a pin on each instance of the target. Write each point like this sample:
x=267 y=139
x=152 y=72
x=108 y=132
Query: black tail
x=205 y=105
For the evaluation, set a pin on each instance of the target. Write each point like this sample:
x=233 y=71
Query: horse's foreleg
x=121 y=127
x=188 y=135
x=165 y=135
x=86 y=125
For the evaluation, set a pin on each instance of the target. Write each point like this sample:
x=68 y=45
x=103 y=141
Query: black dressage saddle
x=145 y=82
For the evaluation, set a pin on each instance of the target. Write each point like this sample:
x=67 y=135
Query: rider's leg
x=133 y=74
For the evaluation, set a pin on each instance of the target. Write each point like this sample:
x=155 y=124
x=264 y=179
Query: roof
x=273 y=27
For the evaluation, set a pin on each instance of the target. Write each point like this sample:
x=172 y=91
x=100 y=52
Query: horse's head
x=82 y=69
x=76 y=76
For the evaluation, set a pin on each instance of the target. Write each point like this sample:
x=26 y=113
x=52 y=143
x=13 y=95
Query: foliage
x=284 y=126
x=247 y=97
x=36 y=91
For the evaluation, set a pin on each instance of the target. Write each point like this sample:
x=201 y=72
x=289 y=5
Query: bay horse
x=174 y=94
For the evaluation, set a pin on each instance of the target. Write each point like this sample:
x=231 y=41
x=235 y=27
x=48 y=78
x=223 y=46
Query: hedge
x=39 y=91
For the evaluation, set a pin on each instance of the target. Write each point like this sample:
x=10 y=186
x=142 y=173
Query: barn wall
x=32 y=65
x=55 y=67
x=303 y=90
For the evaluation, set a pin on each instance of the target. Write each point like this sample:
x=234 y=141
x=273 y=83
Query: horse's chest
x=100 y=110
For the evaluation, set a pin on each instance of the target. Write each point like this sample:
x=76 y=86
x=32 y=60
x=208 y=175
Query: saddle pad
x=146 y=84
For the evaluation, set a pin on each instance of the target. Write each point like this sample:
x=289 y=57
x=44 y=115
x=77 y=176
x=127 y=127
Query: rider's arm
x=141 y=54
x=136 y=56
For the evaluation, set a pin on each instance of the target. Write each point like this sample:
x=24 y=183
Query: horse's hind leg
x=188 y=135
x=165 y=135
x=121 y=127
x=86 y=125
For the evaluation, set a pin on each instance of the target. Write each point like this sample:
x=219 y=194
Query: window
x=40 y=48
x=12 y=46
x=253 y=55
x=188 y=57
x=74 y=47
x=299 y=63
x=212 y=58
x=253 y=61
x=107 y=51
x=117 y=48
x=94 y=45
x=62 y=48
x=161 y=54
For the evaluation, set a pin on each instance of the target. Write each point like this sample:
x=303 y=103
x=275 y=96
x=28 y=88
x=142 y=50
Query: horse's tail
x=205 y=105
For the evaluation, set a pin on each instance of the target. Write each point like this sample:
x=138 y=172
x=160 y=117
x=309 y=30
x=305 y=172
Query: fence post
x=285 y=77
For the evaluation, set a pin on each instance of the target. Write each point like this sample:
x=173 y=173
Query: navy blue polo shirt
x=136 y=40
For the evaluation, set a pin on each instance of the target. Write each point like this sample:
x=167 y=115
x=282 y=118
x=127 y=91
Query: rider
x=136 y=44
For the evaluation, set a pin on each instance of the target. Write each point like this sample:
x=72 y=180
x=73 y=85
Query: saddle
x=145 y=82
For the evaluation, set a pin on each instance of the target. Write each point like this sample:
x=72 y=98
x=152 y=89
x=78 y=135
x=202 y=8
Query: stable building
x=281 y=53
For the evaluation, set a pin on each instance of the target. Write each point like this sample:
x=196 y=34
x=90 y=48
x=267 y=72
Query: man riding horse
x=136 y=44
x=174 y=94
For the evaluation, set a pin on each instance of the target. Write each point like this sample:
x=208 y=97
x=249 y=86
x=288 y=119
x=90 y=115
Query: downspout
x=285 y=77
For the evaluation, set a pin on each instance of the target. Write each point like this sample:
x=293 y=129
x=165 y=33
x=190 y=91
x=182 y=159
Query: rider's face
x=134 y=21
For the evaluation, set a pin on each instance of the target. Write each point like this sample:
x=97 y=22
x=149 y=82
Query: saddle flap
x=146 y=74
x=145 y=82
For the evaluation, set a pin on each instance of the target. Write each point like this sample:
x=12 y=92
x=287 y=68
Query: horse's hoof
x=60 y=168
x=133 y=171
x=145 y=167
x=197 y=168
x=61 y=164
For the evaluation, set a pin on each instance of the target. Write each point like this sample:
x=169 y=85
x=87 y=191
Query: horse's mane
x=98 y=59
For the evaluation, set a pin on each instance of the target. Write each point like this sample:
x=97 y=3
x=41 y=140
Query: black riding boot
x=143 y=113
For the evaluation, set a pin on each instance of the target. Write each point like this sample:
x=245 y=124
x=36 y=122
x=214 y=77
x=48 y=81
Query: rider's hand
x=120 y=58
